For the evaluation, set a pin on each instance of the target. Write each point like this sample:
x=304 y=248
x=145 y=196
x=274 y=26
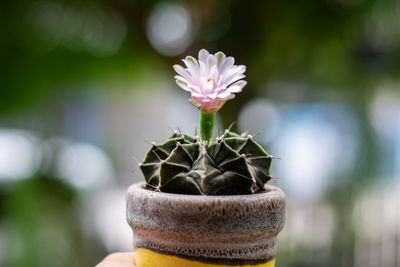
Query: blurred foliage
x=41 y=225
x=325 y=43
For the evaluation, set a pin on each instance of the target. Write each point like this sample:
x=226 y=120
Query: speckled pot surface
x=233 y=230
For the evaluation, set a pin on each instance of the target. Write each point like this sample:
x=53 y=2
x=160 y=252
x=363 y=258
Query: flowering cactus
x=211 y=80
x=232 y=163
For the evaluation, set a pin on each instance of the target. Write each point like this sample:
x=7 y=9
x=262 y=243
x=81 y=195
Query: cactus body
x=232 y=164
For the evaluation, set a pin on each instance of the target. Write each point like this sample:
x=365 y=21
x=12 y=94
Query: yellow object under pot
x=148 y=258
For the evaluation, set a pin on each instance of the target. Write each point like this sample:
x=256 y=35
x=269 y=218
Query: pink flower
x=211 y=80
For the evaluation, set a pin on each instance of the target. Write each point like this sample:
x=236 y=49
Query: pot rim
x=271 y=192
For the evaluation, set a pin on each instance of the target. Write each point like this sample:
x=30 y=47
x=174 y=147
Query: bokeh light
x=169 y=28
x=313 y=142
x=264 y=119
x=19 y=154
x=107 y=215
x=84 y=165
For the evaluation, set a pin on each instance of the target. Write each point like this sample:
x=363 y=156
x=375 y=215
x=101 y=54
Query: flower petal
x=203 y=68
x=211 y=61
x=237 y=86
x=192 y=64
x=203 y=54
x=194 y=102
x=182 y=83
x=233 y=79
x=220 y=58
x=233 y=74
x=182 y=71
x=194 y=88
x=231 y=96
x=226 y=65
x=213 y=95
x=214 y=73
x=194 y=94
x=224 y=94
x=236 y=70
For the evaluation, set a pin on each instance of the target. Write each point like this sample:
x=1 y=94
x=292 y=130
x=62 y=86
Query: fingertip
x=126 y=259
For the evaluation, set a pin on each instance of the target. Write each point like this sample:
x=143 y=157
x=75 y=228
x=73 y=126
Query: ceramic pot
x=194 y=230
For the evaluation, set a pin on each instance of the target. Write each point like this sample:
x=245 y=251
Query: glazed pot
x=195 y=230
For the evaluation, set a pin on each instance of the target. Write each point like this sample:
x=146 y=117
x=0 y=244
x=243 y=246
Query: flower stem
x=206 y=126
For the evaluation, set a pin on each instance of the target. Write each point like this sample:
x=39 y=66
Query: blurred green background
x=83 y=83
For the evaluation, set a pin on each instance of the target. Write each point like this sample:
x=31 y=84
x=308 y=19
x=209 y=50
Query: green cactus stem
x=232 y=164
x=206 y=126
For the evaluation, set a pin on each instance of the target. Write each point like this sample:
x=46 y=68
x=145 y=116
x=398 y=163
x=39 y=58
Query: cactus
x=232 y=164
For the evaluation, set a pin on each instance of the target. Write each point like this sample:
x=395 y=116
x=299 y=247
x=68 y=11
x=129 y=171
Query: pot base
x=148 y=258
